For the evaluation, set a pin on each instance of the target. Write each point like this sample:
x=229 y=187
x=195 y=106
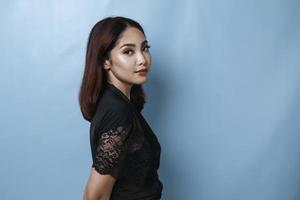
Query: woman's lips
x=142 y=72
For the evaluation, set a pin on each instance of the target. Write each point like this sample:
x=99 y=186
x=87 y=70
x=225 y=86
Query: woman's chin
x=141 y=81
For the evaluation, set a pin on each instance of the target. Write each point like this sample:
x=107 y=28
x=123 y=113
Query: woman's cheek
x=124 y=60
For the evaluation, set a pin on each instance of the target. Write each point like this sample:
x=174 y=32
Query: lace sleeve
x=111 y=148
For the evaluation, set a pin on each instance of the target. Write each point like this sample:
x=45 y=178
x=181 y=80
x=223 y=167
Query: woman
x=125 y=151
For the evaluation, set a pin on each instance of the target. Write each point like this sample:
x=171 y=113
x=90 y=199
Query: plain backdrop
x=223 y=96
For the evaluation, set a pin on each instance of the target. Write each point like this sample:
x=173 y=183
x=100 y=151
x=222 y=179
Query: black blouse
x=124 y=146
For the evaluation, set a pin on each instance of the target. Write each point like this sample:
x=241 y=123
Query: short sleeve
x=112 y=143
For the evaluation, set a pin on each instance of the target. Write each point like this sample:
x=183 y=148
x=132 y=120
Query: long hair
x=102 y=39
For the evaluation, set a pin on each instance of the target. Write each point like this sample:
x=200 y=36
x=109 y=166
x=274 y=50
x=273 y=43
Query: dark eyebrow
x=133 y=45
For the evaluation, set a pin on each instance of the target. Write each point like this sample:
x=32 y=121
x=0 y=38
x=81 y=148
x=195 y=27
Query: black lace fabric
x=111 y=149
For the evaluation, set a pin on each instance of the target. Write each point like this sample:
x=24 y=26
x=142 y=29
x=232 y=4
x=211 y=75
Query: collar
x=118 y=92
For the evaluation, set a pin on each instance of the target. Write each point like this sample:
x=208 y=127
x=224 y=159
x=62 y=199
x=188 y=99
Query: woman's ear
x=107 y=64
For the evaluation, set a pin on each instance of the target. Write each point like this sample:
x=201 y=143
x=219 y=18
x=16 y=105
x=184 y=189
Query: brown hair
x=101 y=41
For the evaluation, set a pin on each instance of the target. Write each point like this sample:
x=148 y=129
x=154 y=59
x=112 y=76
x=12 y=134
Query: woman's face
x=130 y=55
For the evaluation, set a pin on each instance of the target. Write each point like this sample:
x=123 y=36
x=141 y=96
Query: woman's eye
x=127 y=52
x=147 y=47
x=130 y=52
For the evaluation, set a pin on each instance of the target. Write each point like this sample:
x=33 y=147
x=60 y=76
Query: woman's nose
x=141 y=59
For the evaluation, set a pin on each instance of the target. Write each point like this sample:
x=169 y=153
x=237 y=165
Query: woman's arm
x=99 y=186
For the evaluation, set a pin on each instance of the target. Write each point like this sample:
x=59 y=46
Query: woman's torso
x=139 y=178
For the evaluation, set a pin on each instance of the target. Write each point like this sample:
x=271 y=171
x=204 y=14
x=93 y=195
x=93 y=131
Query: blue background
x=223 y=96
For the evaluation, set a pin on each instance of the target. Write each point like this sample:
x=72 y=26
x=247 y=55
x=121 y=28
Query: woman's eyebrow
x=133 y=45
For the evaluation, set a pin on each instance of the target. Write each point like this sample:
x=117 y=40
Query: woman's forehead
x=131 y=37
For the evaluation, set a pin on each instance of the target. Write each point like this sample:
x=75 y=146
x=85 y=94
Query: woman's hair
x=102 y=39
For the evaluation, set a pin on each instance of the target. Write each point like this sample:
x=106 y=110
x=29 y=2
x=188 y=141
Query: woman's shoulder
x=110 y=108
